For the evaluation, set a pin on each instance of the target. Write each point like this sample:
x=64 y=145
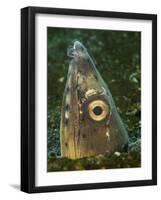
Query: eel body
x=90 y=123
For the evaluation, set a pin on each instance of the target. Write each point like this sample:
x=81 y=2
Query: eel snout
x=76 y=50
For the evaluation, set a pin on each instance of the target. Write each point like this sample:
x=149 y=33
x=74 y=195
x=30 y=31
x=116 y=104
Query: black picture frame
x=28 y=98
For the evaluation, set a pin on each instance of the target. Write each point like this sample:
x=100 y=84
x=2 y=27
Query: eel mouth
x=76 y=50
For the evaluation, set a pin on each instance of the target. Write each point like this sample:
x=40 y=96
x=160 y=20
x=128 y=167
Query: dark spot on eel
x=66 y=121
x=84 y=136
x=67 y=107
x=67 y=90
x=96 y=77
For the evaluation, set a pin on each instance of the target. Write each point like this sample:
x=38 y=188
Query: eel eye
x=98 y=110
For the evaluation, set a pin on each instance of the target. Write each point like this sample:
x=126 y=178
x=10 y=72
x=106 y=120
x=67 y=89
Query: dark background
x=117 y=58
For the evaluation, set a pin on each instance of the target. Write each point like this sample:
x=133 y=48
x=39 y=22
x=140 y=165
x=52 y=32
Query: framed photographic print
x=88 y=99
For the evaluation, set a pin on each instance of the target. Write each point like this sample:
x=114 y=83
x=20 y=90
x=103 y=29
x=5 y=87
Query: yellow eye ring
x=98 y=110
